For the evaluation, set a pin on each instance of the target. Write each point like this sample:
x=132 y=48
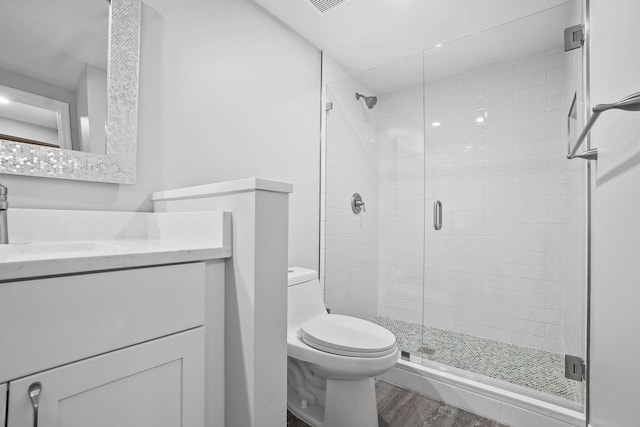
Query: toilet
x=332 y=359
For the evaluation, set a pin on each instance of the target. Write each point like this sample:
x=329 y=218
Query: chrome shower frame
x=586 y=63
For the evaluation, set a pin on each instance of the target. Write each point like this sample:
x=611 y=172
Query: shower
x=491 y=288
x=371 y=101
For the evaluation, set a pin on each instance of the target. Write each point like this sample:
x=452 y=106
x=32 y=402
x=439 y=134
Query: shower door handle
x=437 y=215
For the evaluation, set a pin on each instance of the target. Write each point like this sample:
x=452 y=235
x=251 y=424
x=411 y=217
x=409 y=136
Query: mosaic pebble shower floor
x=535 y=369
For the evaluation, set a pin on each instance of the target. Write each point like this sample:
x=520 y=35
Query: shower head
x=629 y=103
x=371 y=101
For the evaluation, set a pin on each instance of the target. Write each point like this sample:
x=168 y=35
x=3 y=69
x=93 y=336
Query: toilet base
x=349 y=403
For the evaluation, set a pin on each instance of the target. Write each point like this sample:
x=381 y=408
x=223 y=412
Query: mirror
x=69 y=88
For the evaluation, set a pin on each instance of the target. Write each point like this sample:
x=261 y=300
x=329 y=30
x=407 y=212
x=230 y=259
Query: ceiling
x=51 y=41
x=541 y=32
x=362 y=34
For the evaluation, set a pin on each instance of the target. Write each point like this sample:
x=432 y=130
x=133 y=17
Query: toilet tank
x=306 y=300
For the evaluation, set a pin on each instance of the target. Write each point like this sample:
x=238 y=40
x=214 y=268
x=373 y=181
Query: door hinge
x=328 y=106
x=574 y=367
x=573 y=37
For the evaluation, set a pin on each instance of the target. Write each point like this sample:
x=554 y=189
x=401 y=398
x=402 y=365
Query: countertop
x=105 y=255
x=55 y=242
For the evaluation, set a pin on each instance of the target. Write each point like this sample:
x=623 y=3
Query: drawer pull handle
x=34 y=395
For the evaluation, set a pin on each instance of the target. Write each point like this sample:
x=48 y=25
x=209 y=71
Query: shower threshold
x=537 y=370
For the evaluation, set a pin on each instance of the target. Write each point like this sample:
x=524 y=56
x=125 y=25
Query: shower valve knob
x=357 y=204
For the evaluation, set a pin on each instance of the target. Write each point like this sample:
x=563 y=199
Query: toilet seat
x=348 y=336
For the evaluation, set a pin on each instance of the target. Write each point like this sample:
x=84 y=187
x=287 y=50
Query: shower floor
x=535 y=369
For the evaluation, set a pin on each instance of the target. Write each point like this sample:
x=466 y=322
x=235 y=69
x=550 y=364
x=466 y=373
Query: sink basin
x=43 y=250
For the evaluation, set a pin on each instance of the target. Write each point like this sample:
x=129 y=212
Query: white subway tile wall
x=401 y=204
x=509 y=262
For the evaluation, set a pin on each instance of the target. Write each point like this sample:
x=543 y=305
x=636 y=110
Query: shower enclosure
x=472 y=244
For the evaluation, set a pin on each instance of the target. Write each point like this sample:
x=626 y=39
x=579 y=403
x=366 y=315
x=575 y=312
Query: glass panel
x=375 y=147
x=351 y=166
x=504 y=277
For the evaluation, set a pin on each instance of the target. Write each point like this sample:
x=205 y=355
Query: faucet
x=4 y=205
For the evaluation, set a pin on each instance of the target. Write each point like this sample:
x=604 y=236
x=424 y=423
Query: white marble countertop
x=106 y=255
x=51 y=242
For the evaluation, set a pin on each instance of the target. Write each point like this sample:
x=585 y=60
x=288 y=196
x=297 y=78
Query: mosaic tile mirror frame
x=118 y=164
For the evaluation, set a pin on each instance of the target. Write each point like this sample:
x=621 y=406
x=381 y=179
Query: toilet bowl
x=332 y=359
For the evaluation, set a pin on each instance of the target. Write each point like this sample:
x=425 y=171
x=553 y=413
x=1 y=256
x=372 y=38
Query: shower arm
x=629 y=103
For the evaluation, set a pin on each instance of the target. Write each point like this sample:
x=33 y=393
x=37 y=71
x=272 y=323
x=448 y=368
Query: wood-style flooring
x=398 y=407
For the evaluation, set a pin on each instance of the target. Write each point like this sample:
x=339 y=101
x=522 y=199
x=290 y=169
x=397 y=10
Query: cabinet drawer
x=49 y=322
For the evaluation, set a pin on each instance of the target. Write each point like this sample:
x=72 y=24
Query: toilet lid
x=348 y=336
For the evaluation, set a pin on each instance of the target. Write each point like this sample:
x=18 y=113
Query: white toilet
x=333 y=359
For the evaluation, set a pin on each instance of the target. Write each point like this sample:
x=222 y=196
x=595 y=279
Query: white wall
x=225 y=92
x=615 y=322
x=247 y=104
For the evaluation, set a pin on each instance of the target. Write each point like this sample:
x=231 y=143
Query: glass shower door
x=504 y=273
x=401 y=202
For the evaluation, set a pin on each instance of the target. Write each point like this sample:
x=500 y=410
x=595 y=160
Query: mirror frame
x=118 y=165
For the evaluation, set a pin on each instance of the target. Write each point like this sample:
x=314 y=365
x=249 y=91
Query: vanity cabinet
x=113 y=348
x=155 y=384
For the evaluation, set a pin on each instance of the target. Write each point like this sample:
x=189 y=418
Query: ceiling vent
x=325 y=6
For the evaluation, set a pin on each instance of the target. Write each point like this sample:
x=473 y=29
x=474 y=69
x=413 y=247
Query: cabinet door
x=155 y=384
x=3 y=403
